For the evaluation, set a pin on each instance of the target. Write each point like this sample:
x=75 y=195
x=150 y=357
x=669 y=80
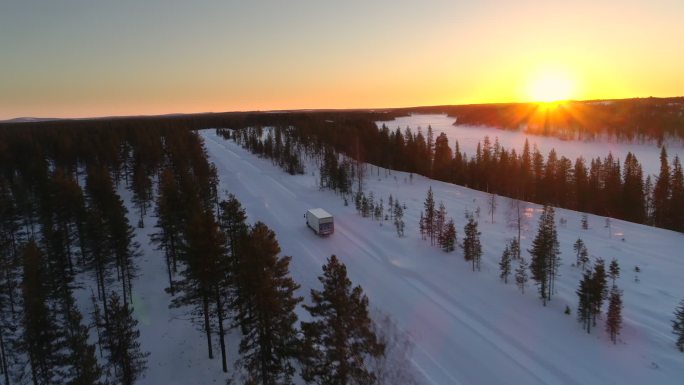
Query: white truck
x=320 y=221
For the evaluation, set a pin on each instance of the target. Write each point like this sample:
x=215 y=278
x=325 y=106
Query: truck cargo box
x=320 y=221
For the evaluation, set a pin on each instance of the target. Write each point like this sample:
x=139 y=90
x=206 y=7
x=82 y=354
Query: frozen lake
x=469 y=136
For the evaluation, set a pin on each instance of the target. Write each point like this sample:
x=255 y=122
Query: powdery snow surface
x=468 y=137
x=468 y=327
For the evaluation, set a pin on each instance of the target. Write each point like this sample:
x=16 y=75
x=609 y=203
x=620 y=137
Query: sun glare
x=550 y=86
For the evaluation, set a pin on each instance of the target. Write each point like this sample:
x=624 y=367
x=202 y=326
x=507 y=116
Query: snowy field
x=469 y=136
x=468 y=327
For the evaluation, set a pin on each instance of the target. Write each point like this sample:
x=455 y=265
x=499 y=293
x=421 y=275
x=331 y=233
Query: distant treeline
x=605 y=186
x=638 y=119
x=641 y=119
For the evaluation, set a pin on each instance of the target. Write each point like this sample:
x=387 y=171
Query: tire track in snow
x=475 y=323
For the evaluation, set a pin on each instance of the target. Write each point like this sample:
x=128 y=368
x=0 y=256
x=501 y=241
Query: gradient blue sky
x=89 y=58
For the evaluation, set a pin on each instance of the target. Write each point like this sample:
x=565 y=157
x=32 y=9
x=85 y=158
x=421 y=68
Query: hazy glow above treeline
x=85 y=58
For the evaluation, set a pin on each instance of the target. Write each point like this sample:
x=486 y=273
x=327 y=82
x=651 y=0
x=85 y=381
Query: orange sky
x=84 y=58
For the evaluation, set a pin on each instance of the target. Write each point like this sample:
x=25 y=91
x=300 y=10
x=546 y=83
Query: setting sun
x=550 y=86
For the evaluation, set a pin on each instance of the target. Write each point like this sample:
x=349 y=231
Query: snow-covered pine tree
x=472 y=249
x=505 y=265
x=678 y=326
x=521 y=274
x=614 y=316
x=340 y=338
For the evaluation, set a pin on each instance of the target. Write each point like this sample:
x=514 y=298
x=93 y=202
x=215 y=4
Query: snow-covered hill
x=468 y=327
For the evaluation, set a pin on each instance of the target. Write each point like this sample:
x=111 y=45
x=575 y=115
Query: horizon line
x=35 y=119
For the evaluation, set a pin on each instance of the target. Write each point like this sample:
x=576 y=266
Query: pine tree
x=491 y=205
x=124 y=355
x=632 y=196
x=448 y=239
x=365 y=206
x=661 y=192
x=585 y=222
x=583 y=257
x=265 y=310
x=614 y=316
x=472 y=249
x=83 y=368
x=169 y=223
x=398 y=214
x=676 y=210
x=579 y=247
x=614 y=270
x=10 y=270
x=421 y=226
x=202 y=252
x=442 y=159
x=505 y=265
x=521 y=274
x=358 y=197
x=544 y=252
x=514 y=248
x=379 y=209
x=429 y=216
x=598 y=289
x=142 y=191
x=585 y=308
x=440 y=221
x=371 y=205
x=648 y=203
x=678 y=326
x=339 y=339
x=41 y=340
